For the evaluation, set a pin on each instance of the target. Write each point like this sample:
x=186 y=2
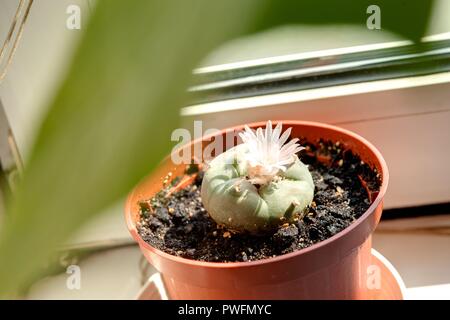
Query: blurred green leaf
x=110 y=122
x=406 y=18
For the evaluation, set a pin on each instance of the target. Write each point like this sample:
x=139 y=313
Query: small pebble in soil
x=179 y=225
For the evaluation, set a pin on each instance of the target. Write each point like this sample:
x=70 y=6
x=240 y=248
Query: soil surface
x=179 y=225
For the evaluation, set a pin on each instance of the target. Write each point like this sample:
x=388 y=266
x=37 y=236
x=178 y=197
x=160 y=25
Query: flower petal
x=267 y=152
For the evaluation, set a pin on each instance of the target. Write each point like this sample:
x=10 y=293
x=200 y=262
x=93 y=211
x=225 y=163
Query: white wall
x=40 y=61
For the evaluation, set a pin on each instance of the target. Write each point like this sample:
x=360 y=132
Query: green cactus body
x=231 y=199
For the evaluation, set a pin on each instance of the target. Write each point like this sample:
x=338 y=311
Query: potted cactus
x=283 y=214
x=258 y=184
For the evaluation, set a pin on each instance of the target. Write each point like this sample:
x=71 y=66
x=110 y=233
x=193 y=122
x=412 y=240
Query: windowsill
x=418 y=248
x=309 y=95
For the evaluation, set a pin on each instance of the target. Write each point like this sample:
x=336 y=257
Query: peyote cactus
x=258 y=184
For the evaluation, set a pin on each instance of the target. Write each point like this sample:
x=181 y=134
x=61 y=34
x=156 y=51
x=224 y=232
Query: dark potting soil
x=179 y=225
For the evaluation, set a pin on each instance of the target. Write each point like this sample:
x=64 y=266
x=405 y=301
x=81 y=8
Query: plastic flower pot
x=336 y=268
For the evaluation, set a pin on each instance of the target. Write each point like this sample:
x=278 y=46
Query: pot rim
x=231 y=265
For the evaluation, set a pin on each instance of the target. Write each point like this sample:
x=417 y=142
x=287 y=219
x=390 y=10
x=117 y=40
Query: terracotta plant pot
x=336 y=268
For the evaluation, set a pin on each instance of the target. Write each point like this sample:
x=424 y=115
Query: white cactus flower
x=267 y=152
